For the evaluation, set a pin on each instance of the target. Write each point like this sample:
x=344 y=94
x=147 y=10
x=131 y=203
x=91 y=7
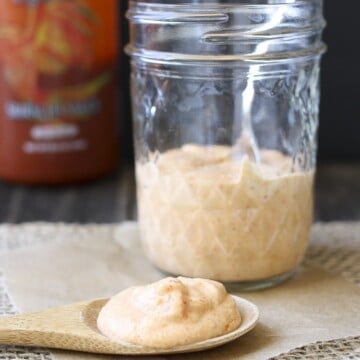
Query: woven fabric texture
x=334 y=247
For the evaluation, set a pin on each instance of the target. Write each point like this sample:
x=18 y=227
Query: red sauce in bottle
x=58 y=90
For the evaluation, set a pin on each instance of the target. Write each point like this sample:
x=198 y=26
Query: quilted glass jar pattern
x=225 y=98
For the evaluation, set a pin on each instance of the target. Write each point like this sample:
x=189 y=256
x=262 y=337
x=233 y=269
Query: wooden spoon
x=73 y=327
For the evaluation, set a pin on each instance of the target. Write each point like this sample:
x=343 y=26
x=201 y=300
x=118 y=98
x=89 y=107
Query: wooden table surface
x=112 y=199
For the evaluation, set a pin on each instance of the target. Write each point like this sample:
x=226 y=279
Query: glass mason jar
x=225 y=98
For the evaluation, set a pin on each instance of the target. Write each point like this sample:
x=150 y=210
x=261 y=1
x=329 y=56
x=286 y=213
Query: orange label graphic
x=58 y=63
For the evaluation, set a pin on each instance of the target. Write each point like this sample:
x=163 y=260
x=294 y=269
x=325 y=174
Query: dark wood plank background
x=112 y=199
x=337 y=188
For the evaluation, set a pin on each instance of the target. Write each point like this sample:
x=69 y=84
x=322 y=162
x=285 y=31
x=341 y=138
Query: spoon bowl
x=73 y=327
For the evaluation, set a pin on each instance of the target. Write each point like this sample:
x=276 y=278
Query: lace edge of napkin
x=347 y=348
x=8 y=307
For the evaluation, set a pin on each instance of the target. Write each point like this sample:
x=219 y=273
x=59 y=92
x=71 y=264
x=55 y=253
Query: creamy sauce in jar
x=204 y=214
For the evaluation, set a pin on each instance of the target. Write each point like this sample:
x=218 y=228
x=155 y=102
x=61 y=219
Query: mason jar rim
x=183 y=59
x=213 y=26
x=224 y=3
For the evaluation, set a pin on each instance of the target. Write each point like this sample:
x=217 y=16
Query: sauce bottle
x=58 y=90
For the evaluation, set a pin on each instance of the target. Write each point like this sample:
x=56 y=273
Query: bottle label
x=57 y=73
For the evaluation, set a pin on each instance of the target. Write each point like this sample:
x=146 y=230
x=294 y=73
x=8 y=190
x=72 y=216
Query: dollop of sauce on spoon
x=168 y=313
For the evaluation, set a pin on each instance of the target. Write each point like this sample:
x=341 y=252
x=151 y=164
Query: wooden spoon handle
x=19 y=330
x=51 y=328
x=69 y=327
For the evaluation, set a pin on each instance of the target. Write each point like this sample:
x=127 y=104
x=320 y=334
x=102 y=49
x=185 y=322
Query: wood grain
x=73 y=327
x=61 y=328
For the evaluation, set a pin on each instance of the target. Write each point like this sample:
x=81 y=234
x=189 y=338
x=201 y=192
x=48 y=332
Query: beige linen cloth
x=44 y=265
